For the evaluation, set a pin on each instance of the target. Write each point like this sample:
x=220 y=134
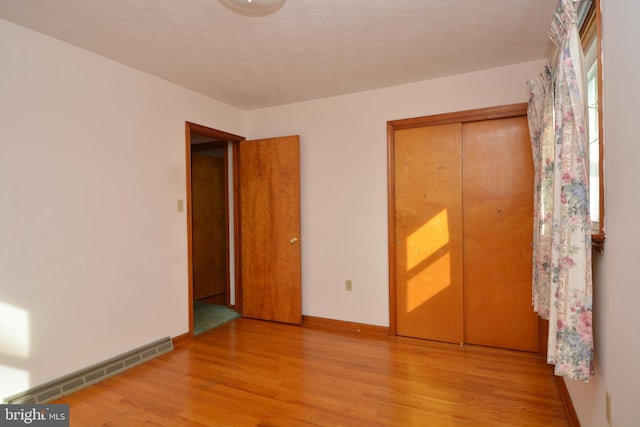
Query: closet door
x=428 y=232
x=498 y=211
x=461 y=198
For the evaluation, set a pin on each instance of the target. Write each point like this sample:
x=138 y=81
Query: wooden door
x=428 y=232
x=459 y=246
x=269 y=222
x=209 y=217
x=498 y=211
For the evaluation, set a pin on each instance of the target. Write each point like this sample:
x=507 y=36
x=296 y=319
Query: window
x=589 y=16
x=593 y=134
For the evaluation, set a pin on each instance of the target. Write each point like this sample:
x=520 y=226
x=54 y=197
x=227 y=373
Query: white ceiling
x=309 y=49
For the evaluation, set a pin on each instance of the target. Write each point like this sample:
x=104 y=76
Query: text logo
x=34 y=415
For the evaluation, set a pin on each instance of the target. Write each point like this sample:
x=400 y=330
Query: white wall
x=344 y=179
x=92 y=250
x=617 y=283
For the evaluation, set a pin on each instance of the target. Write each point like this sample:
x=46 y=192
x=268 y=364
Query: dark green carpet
x=209 y=316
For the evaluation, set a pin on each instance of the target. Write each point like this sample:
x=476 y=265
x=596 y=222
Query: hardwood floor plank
x=256 y=373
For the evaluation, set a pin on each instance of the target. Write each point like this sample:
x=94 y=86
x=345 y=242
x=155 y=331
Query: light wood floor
x=255 y=373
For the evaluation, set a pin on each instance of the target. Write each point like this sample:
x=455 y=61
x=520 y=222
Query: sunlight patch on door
x=429 y=282
x=428 y=261
x=426 y=241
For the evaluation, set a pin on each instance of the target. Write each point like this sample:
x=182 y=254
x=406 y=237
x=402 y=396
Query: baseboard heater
x=84 y=378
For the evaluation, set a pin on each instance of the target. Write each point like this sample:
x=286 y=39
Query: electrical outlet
x=608 y=407
x=348 y=286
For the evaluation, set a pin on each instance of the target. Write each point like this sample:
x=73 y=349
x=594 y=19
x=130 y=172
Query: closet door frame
x=512 y=110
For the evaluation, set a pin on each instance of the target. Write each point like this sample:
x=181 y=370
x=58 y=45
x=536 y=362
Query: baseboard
x=181 y=339
x=84 y=378
x=569 y=409
x=323 y=323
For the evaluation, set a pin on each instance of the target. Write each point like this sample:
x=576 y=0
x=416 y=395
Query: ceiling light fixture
x=253 y=7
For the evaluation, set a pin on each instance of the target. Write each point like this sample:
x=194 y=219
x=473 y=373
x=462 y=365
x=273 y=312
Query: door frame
x=479 y=114
x=220 y=136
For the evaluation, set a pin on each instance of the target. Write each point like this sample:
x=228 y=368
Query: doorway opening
x=214 y=291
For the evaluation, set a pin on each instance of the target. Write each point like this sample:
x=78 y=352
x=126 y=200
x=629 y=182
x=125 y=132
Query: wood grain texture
x=417 y=122
x=341 y=325
x=209 y=216
x=428 y=230
x=498 y=218
x=269 y=220
x=479 y=114
x=255 y=373
x=497 y=221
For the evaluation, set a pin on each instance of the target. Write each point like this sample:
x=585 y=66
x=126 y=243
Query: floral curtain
x=562 y=286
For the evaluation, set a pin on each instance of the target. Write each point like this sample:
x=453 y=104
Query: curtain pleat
x=562 y=282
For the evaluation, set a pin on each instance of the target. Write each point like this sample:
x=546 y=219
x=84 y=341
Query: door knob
x=293 y=240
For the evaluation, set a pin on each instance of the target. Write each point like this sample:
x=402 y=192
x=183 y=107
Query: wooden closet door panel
x=209 y=241
x=428 y=225
x=498 y=200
